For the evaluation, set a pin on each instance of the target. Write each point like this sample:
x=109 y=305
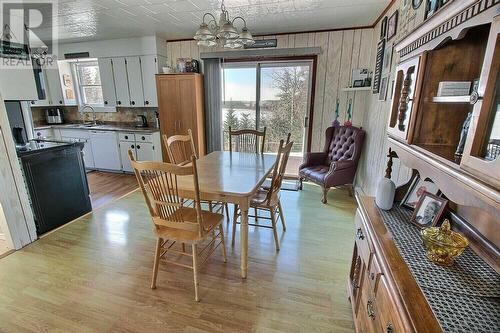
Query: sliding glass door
x=275 y=95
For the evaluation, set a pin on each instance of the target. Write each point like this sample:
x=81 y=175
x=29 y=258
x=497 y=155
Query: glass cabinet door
x=482 y=149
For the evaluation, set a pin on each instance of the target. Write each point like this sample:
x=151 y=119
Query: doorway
x=271 y=94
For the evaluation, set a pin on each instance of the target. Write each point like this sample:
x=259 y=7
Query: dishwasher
x=105 y=150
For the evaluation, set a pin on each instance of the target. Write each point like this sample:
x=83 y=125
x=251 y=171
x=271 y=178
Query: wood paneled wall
x=373 y=160
x=342 y=51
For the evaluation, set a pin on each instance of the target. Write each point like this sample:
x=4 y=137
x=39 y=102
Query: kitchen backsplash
x=122 y=115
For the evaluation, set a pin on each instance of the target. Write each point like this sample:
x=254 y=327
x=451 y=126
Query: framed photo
x=382 y=96
x=428 y=211
x=415 y=191
x=383 y=27
x=392 y=25
x=358 y=83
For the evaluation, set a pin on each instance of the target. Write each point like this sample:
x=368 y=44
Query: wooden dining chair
x=269 y=200
x=179 y=149
x=247 y=140
x=173 y=221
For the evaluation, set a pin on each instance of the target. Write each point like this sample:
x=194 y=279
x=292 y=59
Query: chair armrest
x=311 y=159
x=341 y=165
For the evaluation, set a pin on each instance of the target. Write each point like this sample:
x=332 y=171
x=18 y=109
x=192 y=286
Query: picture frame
x=392 y=25
x=416 y=189
x=358 y=83
x=383 y=27
x=387 y=61
x=429 y=210
x=359 y=74
x=382 y=96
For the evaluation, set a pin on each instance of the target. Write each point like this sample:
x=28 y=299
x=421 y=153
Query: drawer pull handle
x=138 y=147
x=369 y=309
x=359 y=234
x=143 y=138
x=132 y=146
x=372 y=275
x=388 y=328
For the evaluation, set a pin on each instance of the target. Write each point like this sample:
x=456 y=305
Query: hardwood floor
x=4 y=249
x=107 y=186
x=93 y=275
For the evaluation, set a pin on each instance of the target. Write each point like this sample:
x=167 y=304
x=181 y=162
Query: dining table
x=230 y=177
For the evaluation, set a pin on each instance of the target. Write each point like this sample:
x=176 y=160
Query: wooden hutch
x=458 y=43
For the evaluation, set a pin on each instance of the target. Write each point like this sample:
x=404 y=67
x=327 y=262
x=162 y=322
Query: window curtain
x=213 y=105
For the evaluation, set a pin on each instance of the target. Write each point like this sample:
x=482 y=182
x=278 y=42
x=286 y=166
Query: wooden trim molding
x=405 y=47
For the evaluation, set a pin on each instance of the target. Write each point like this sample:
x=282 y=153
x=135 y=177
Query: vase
x=386 y=189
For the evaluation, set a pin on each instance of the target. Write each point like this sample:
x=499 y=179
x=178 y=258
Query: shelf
x=451 y=99
x=358 y=89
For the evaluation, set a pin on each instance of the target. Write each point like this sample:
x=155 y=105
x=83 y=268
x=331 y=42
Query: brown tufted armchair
x=336 y=165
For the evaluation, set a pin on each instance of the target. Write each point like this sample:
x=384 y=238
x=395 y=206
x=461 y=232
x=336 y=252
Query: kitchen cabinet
x=107 y=81
x=124 y=148
x=134 y=77
x=54 y=86
x=149 y=68
x=145 y=152
x=121 y=82
x=80 y=136
x=43 y=134
x=146 y=147
x=105 y=150
x=180 y=106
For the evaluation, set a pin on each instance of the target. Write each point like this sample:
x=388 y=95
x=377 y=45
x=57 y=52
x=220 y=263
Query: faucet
x=88 y=106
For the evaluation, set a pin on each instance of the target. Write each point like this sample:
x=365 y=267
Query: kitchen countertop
x=104 y=127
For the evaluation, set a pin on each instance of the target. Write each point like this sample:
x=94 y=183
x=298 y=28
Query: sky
x=239 y=84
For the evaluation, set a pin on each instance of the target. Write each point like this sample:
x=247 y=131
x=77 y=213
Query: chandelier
x=223 y=33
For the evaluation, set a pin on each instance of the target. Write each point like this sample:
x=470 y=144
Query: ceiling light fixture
x=223 y=33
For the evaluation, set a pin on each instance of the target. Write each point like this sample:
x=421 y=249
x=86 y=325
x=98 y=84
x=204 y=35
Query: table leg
x=244 y=238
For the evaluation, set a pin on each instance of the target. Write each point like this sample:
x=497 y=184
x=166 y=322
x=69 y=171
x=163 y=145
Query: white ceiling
x=80 y=20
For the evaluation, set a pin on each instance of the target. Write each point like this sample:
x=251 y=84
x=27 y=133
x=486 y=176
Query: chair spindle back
x=247 y=140
x=279 y=169
x=159 y=185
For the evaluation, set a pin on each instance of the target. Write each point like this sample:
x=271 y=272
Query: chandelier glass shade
x=223 y=33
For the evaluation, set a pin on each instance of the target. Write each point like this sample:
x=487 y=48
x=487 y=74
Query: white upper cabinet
x=121 y=82
x=107 y=81
x=135 y=81
x=54 y=86
x=149 y=67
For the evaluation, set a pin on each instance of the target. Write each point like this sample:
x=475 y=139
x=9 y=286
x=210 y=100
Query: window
x=89 y=83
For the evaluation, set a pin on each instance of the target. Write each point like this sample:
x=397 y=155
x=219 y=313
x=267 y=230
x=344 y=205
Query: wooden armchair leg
x=300 y=183
x=350 y=188
x=156 y=262
x=325 y=195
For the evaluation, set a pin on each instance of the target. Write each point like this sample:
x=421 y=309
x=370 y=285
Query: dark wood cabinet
x=383 y=294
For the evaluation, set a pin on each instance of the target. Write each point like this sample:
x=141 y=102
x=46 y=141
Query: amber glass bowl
x=442 y=244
